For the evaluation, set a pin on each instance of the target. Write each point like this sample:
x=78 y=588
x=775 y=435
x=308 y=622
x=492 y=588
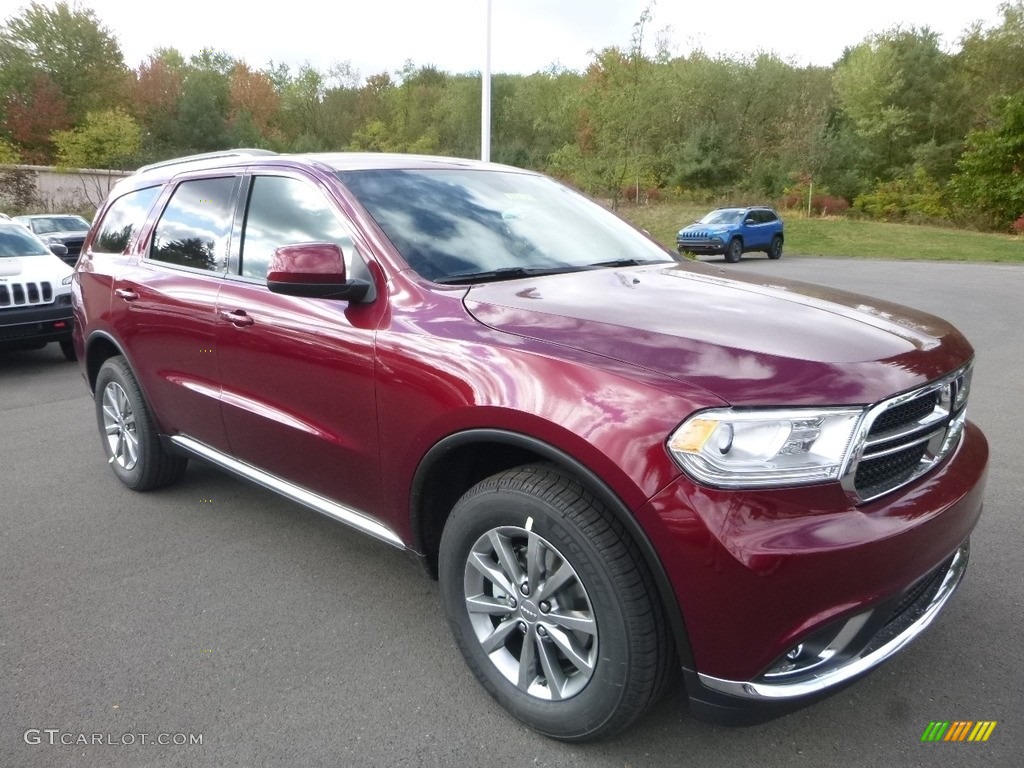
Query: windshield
x=451 y=225
x=15 y=240
x=725 y=216
x=59 y=224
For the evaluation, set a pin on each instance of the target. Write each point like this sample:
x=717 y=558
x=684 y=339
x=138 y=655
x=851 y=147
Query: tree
x=990 y=175
x=32 y=116
x=895 y=90
x=990 y=66
x=107 y=139
x=156 y=99
x=73 y=48
x=9 y=154
x=253 y=104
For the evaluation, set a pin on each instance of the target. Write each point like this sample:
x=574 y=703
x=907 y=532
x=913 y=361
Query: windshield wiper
x=504 y=273
x=627 y=262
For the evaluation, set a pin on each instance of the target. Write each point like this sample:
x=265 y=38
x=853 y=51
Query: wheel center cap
x=528 y=610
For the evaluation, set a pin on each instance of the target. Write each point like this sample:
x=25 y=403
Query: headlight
x=738 y=449
x=67 y=280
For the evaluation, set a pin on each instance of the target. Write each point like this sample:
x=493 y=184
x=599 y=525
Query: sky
x=527 y=35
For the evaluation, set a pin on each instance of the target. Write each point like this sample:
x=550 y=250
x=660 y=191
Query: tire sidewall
x=112 y=371
x=597 y=703
x=734 y=245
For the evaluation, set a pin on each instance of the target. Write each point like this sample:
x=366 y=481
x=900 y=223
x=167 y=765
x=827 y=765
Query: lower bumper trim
x=902 y=631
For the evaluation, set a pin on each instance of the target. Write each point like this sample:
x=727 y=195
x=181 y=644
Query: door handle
x=237 y=317
x=126 y=294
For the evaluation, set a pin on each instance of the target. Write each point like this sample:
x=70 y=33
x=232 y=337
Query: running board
x=350 y=517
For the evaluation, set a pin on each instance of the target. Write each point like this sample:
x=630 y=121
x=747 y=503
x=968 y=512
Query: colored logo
x=959 y=730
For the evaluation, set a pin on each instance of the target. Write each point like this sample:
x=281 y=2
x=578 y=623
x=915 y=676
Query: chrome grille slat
x=902 y=446
x=902 y=438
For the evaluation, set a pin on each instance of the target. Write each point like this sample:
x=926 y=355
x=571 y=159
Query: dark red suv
x=617 y=465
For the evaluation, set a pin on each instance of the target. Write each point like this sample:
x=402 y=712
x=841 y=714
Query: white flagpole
x=485 y=100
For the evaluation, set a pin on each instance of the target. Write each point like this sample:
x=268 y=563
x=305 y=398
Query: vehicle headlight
x=67 y=280
x=758 y=448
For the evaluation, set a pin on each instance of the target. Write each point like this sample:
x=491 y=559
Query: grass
x=848 y=238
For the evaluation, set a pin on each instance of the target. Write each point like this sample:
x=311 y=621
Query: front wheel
x=734 y=250
x=129 y=434
x=775 y=249
x=67 y=347
x=552 y=606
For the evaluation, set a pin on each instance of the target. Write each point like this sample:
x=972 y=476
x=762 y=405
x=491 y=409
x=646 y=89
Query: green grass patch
x=848 y=238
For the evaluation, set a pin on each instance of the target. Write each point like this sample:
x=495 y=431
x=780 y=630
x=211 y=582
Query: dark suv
x=617 y=465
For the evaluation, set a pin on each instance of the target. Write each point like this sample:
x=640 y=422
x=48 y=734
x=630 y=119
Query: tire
x=775 y=249
x=533 y=567
x=734 y=251
x=128 y=432
x=68 y=348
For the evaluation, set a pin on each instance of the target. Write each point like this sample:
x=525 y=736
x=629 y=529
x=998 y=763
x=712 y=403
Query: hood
x=748 y=340
x=702 y=230
x=65 y=236
x=34 y=269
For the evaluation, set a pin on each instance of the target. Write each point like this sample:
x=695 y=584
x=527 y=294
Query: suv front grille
x=25 y=294
x=904 y=437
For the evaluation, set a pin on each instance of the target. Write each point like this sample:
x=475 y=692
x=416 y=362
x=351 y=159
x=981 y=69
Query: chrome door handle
x=236 y=317
x=126 y=294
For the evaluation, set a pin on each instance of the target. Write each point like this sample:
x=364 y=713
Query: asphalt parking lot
x=216 y=609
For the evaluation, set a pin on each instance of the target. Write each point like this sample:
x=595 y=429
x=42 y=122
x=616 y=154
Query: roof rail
x=206 y=156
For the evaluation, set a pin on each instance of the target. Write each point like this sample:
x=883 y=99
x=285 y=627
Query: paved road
x=214 y=608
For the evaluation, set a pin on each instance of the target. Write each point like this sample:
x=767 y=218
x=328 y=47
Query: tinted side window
x=193 y=230
x=769 y=217
x=286 y=211
x=123 y=219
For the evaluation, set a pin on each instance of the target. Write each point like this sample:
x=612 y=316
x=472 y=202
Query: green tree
x=108 y=139
x=990 y=66
x=73 y=48
x=895 y=90
x=989 y=181
x=9 y=154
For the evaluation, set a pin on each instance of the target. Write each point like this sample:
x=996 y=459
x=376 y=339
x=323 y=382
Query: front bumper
x=47 y=322
x=703 y=247
x=799 y=571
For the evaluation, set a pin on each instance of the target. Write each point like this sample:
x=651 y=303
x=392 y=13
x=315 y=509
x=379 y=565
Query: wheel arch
x=457 y=462
x=99 y=348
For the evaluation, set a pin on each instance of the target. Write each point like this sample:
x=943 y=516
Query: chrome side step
x=351 y=517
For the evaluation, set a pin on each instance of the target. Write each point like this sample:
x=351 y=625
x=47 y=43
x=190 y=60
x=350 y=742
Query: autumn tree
x=32 y=116
x=253 y=106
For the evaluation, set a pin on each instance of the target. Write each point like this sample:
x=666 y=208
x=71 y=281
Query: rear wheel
x=552 y=605
x=775 y=249
x=734 y=251
x=130 y=438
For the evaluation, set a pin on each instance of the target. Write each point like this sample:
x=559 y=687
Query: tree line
x=898 y=127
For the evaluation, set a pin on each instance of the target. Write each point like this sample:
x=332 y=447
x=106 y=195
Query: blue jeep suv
x=733 y=232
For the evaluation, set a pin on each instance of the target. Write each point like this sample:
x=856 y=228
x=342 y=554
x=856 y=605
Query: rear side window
x=193 y=230
x=123 y=219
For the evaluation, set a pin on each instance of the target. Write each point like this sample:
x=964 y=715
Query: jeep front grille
x=25 y=294
x=902 y=438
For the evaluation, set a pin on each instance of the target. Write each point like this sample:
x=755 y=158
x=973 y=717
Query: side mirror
x=313 y=270
x=58 y=249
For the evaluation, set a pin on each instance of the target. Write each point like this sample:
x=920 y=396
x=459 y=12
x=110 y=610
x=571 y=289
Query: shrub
x=1018 y=225
x=913 y=197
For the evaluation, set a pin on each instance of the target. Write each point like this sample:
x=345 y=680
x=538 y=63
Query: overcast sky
x=527 y=36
